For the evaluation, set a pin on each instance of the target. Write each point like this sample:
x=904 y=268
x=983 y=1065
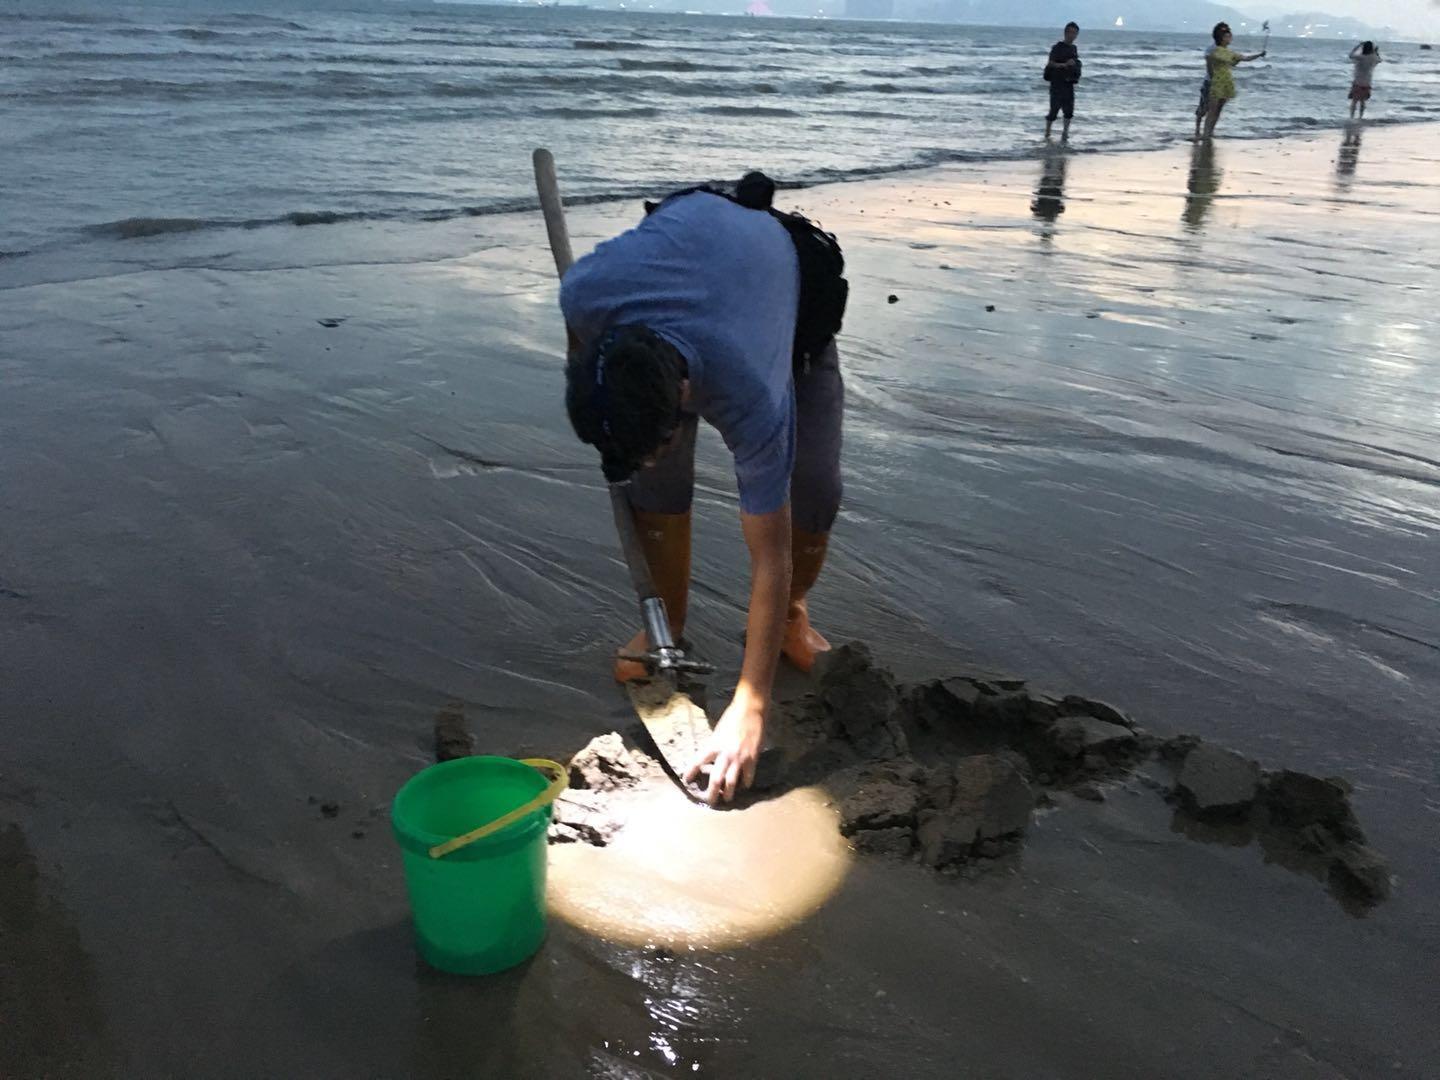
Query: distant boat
x=1119 y=23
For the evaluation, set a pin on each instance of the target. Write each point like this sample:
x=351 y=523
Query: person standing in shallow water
x=1221 y=62
x=1366 y=58
x=1202 y=109
x=1062 y=72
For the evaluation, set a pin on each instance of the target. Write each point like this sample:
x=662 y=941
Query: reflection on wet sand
x=1213 y=503
x=1348 y=158
x=1204 y=182
x=1049 y=201
x=685 y=875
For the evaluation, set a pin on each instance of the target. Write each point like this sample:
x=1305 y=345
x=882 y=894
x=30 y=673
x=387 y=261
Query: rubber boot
x=803 y=643
x=665 y=539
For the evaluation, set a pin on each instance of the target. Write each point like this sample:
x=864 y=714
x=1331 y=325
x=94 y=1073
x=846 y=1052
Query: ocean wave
x=868 y=114
x=66 y=18
x=81 y=90
x=616 y=83
x=917 y=72
x=571 y=112
x=84 y=56
x=607 y=46
x=386 y=63
x=254 y=18
x=746 y=110
x=192 y=33
x=137 y=227
x=201 y=33
x=627 y=64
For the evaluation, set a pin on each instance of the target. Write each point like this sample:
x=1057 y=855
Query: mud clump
x=606 y=764
x=1215 y=782
x=1304 y=822
x=948 y=773
x=452 y=735
x=987 y=813
x=1319 y=812
x=960 y=757
x=863 y=701
x=601 y=775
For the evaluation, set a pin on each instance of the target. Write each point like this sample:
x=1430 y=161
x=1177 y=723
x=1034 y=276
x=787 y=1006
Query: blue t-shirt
x=721 y=283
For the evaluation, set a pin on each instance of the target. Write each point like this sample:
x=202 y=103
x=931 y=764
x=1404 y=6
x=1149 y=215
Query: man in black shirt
x=1062 y=72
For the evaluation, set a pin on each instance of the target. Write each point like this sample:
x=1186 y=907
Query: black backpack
x=823 y=288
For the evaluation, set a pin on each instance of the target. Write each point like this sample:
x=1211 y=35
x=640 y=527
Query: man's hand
x=734 y=747
x=733 y=750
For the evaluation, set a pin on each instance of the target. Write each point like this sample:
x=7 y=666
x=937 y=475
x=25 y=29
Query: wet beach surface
x=1187 y=465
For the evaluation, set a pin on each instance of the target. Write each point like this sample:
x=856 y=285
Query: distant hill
x=1317 y=24
x=1181 y=15
x=1196 y=16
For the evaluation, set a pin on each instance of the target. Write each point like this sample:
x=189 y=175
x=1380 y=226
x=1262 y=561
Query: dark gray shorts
x=1062 y=100
x=668 y=486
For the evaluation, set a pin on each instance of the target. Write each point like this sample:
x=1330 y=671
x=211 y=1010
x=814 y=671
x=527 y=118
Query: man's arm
x=735 y=746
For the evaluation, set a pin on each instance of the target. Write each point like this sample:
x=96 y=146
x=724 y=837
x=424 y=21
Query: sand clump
x=948 y=772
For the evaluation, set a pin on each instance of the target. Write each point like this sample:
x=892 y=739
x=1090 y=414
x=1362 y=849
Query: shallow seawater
x=154 y=117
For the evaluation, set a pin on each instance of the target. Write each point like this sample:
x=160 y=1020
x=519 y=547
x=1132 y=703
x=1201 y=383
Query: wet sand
x=1187 y=465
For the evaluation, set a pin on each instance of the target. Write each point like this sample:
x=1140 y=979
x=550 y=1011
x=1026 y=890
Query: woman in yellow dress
x=1221 y=61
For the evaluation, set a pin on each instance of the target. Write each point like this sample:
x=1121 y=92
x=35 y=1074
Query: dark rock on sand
x=1215 y=782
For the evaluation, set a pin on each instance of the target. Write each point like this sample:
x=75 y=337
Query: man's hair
x=1071 y=26
x=623 y=397
x=1367 y=47
x=1221 y=29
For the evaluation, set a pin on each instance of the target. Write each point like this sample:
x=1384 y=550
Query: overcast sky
x=1419 y=16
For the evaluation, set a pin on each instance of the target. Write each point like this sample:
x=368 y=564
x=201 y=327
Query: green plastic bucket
x=478 y=908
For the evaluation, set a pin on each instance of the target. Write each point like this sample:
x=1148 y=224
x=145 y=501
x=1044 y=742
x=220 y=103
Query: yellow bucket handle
x=545 y=798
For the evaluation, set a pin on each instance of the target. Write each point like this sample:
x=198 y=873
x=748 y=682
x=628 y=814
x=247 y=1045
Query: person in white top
x=1365 y=57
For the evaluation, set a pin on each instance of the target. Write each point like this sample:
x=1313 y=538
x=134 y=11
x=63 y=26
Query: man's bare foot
x=802 y=643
